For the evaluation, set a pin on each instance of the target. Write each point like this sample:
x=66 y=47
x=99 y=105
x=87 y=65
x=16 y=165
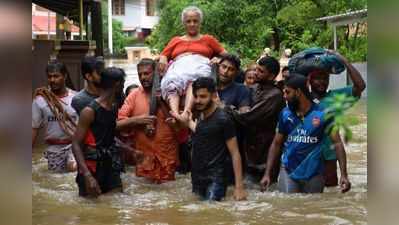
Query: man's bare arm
x=274 y=152
x=358 y=83
x=341 y=156
x=239 y=192
x=85 y=120
x=35 y=132
x=135 y=121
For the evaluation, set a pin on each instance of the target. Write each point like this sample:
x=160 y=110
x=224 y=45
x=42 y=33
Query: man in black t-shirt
x=99 y=162
x=91 y=68
x=213 y=139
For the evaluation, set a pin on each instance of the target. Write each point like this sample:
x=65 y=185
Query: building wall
x=135 y=16
x=342 y=80
x=147 y=21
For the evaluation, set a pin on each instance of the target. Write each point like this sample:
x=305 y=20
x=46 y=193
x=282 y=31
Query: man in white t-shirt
x=58 y=126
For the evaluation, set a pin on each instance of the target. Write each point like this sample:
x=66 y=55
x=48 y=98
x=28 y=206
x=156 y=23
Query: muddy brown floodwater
x=55 y=197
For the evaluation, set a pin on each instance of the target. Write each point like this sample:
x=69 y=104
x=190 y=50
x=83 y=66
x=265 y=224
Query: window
x=118 y=7
x=150 y=7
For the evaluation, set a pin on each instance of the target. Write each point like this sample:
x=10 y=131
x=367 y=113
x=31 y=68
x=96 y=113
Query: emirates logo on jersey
x=316 y=121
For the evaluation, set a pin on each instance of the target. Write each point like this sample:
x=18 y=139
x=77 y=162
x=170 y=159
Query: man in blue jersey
x=319 y=81
x=301 y=131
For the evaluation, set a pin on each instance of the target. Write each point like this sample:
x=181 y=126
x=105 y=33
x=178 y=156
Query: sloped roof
x=40 y=23
x=63 y=7
x=349 y=16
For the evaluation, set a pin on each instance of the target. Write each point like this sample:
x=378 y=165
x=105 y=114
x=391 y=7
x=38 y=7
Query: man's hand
x=240 y=194
x=184 y=118
x=219 y=102
x=264 y=183
x=138 y=156
x=162 y=68
x=345 y=184
x=171 y=121
x=163 y=65
x=92 y=187
x=215 y=60
x=341 y=57
x=145 y=120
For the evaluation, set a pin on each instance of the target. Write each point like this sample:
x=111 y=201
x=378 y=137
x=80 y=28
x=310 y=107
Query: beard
x=293 y=104
x=54 y=87
x=97 y=84
x=319 y=92
x=205 y=107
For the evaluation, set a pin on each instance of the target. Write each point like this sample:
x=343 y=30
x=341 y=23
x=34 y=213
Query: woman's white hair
x=191 y=9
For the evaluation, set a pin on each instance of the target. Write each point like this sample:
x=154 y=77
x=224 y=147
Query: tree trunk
x=355 y=36
x=347 y=32
x=276 y=39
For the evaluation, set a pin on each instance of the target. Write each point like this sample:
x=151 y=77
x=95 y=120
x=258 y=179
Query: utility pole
x=81 y=19
x=110 y=26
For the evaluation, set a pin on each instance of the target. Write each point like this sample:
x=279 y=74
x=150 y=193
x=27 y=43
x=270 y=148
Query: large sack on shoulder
x=315 y=58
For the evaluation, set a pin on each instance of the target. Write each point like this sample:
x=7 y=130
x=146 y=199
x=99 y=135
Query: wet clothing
x=328 y=148
x=58 y=156
x=196 y=54
x=210 y=190
x=288 y=185
x=81 y=100
x=179 y=75
x=58 y=151
x=102 y=157
x=161 y=150
x=108 y=180
x=302 y=150
x=42 y=116
x=235 y=95
x=329 y=155
x=210 y=150
x=260 y=124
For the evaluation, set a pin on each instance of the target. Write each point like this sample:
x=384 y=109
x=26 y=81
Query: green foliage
x=354 y=50
x=246 y=27
x=338 y=105
x=118 y=37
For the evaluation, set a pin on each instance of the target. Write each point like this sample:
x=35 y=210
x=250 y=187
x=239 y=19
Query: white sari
x=184 y=70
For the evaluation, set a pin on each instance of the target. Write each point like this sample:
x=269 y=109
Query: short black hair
x=146 y=62
x=111 y=75
x=91 y=64
x=233 y=59
x=130 y=88
x=284 y=68
x=271 y=64
x=56 y=66
x=204 y=82
x=298 y=81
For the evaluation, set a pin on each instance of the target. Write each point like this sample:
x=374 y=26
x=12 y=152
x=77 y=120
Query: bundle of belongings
x=316 y=58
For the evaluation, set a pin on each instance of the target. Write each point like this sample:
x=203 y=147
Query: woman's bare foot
x=181 y=117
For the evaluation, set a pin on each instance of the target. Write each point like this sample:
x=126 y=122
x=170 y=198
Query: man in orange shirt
x=160 y=150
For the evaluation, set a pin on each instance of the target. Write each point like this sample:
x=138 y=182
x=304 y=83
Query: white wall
x=342 y=80
x=147 y=21
x=135 y=15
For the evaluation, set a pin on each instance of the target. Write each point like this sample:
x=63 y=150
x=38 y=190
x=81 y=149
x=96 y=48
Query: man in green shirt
x=319 y=81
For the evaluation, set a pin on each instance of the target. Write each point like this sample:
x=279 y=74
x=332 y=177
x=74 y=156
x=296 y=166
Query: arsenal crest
x=316 y=121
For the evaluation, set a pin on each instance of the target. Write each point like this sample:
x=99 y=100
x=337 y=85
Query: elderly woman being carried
x=191 y=55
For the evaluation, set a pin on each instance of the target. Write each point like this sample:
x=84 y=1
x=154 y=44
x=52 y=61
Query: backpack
x=315 y=58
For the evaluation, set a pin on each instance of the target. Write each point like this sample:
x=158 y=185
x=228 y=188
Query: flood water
x=55 y=196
